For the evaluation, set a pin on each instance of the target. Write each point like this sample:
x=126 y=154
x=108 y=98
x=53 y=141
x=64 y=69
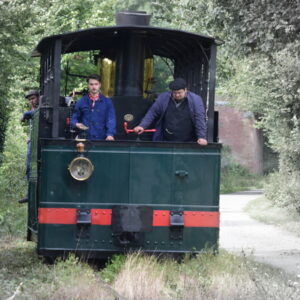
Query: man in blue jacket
x=95 y=113
x=178 y=115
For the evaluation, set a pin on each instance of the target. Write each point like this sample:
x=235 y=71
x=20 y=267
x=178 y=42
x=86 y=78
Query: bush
x=113 y=268
x=13 y=183
x=235 y=177
x=283 y=190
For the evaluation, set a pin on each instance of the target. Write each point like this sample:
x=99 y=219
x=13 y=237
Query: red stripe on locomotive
x=104 y=217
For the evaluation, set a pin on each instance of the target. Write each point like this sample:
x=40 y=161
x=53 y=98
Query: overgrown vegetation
x=235 y=177
x=258 y=70
x=264 y=38
x=70 y=279
x=13 y=184
x=258 y=66
x=137 y=276
x=262 y=75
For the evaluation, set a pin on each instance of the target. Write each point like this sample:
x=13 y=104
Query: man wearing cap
x=33 y=99
x=178 y=115
x=95 y=113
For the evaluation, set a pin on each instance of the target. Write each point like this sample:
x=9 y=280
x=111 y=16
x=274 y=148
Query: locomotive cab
x=99 y=197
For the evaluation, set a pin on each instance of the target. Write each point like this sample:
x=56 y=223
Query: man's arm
x=76 y=117
x=200 y=122
x=110 y=121
x=153 y=113
x=27 y=115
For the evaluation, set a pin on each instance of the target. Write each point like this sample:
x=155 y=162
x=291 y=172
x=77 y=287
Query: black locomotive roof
x=164 y=42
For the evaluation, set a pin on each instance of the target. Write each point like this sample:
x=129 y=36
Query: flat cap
x=177 y=84
x=31 y=93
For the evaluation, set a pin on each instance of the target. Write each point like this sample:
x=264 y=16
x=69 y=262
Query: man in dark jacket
x=95 y=113
x=178 y=115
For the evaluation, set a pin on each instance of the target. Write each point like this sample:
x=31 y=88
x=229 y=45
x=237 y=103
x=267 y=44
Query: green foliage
x=12 y=172
x=283 y=189
x=135 y=5
x=23 y=24
x=258 y=26
x=14 y=18
x=258 y=66
x=22 y=271
x=13 y=184
x=207 y=276
x=264 y=37
x=163 y=74
x=113 y=268
x=81 y=63
x=235 y=177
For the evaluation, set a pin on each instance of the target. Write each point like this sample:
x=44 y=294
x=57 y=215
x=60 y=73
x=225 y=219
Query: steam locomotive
x=98 y=198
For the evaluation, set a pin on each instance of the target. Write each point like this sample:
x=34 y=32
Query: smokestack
x=130 y=58
x=131 y=18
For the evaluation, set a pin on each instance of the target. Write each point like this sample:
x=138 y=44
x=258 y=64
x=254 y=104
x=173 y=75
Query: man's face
x=94 y=86
x=179 y=94
x=33 y=100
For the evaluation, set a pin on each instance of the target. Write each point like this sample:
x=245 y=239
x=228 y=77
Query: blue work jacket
x=100 y=119
x=157 y=112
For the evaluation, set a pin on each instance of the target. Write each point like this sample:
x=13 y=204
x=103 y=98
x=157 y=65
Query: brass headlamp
x=81 y=168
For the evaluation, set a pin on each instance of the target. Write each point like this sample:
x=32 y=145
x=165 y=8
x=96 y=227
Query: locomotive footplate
x=129 y=224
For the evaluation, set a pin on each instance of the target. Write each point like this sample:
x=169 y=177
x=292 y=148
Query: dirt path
x=266 y=243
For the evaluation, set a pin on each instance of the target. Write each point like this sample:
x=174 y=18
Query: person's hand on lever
x=139 y=129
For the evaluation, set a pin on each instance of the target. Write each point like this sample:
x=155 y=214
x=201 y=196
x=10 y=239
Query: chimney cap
x=131 y=18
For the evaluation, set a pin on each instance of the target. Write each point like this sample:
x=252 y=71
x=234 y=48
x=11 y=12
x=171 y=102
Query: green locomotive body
x=97 y=198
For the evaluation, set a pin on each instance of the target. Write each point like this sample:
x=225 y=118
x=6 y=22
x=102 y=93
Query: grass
x=235 y=177
x=138 y=276
x=71 y=279
x=264 y=210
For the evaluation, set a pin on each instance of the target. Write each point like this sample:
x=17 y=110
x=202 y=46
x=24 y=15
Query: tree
x=14 y=21
x=23 y=24
x=265 y=36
